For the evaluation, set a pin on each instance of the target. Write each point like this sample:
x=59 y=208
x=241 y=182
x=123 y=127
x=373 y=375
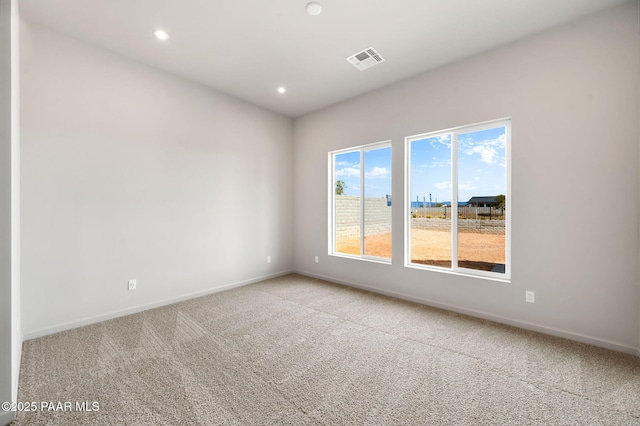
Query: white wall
x=129 y=172
x=574 y=99
x=10 y=332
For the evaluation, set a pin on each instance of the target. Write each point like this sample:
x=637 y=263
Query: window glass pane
x=482 y=188
x=377 y=202
x=430 y=200
x=347 y=203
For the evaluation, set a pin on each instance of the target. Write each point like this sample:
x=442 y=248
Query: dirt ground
x=430 y=247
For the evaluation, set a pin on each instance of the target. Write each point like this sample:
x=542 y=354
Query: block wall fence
x=378 y=219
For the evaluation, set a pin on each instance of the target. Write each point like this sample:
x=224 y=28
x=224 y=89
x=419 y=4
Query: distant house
x=483 y=202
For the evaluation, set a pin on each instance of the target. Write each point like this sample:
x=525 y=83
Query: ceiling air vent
x=365 y=59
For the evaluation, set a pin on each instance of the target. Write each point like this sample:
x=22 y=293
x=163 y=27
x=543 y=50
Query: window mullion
x=507 y=171
x=332 y=191
x=454 y=201
x=362 y=202
x=407 y=202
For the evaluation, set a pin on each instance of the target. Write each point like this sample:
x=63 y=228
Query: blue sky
x=377 y=172
x=481 y=167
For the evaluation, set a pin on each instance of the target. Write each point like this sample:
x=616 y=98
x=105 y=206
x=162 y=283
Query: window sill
x=506 y=280
x=380 y=260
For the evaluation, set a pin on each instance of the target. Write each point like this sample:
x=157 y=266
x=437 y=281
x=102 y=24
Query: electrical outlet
x=268 y=259
x=132 y=284
x=530 y=296
x=317 y=259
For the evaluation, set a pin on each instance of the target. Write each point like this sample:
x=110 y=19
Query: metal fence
x=465 y=212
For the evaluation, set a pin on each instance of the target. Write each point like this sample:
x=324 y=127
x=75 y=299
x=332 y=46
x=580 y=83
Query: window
x=458 y=207
x=360 y=208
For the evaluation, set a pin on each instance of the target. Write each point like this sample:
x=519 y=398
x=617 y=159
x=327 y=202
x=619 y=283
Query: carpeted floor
x=299 y=351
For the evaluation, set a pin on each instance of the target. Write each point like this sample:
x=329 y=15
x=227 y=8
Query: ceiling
x=249 y=48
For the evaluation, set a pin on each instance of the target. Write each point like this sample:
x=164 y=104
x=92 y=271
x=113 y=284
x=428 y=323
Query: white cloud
x=377 y=173
x=443 y=185
x=466 y=187
x=487 y=149
x=487 y=153
x=441 y=140
x=348 y=172
x=434 y=164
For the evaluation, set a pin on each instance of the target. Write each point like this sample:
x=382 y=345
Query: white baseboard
x=7 y=417
x=603 y=343
x=135 y=309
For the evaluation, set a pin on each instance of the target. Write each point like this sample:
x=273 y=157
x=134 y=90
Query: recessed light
x=161 y=35
x=314 y=8
x=281 y=90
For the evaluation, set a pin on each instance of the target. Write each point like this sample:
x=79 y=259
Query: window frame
x=455 y=269
x=332 y=200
